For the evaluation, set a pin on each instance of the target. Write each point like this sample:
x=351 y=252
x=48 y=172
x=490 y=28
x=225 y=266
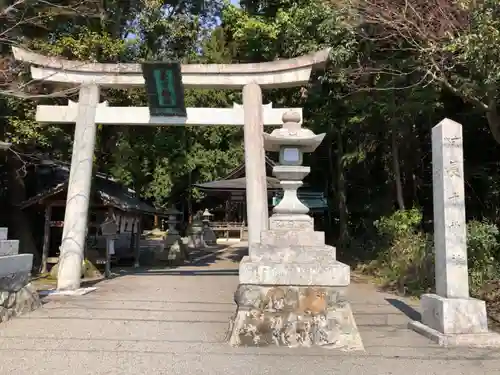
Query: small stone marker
x=450 y=317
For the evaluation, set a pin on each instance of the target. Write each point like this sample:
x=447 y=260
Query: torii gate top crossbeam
x=274 y=74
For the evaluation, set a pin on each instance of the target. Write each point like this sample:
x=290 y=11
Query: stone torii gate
x=90 y=77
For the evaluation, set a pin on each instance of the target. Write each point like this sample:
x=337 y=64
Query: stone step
x=285 y=238
x=3 y=233
x=15 y=271
x=9 y=247
x=318 y=273
x=292 y=253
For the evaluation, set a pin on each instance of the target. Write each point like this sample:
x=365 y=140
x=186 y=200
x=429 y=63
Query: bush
x=404 y=260
x=400 y=223
x=405 y=257
x=483 y=253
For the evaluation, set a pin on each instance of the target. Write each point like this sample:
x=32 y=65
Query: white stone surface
x=291 y=172
x=292 y=238
x=450 y=243
x=263 y=272
x=305 y=254
x=291 y=222
x=12 y=264
x=290 y=204
x=78 y=199
x=9 y=247
x=292 y=134
x=140 y=116
x=255 y=165
x=3 y=233
x=475 y=340
x=454 y=315
x=282 y=73
x=76 y=292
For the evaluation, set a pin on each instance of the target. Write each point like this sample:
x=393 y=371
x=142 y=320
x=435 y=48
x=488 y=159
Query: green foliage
x=483 y=251
x=405 y=258
x=400 y=223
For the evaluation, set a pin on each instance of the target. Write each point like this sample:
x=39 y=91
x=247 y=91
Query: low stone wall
x=17 y=294
x=15 y=303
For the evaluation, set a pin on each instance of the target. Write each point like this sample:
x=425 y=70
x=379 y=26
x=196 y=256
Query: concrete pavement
x=174 y=321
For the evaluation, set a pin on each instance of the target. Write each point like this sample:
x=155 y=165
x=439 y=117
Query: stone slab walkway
x=174 y=321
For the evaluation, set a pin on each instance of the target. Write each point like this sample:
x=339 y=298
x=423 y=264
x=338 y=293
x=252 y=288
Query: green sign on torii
x=164 y=89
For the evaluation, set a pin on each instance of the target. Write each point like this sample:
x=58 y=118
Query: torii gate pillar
x=78 y=198
x=255 y=168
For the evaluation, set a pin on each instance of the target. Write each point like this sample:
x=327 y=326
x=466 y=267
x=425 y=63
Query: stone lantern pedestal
x=292 y=289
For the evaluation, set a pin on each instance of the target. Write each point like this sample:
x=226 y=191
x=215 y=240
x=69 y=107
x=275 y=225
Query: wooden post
x=138 y=242
x=157 y=222
x=110 y=242
x=46 y=238
x=110 y=246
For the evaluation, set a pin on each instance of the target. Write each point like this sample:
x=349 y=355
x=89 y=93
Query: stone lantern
x=292 y=288
x=208 y=236
x=206 y=217
x=291 y=141
x=172 y=221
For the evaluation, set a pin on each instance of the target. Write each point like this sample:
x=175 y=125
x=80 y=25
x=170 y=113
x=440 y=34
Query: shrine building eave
x=235 y=185
x=274 y=74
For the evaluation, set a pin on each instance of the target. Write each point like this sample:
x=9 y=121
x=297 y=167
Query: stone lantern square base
x=292 y=291
x=294 y=316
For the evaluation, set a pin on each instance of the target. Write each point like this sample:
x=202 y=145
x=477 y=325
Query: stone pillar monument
x=451 y=317
x=292 y=289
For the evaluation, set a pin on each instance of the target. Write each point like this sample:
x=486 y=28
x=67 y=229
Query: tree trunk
x=19 y=223
x=341 y=193
x=397 y=169
x=330 y=185
x=494 y=121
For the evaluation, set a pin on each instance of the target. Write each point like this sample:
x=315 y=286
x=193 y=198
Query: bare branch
x=33 y=14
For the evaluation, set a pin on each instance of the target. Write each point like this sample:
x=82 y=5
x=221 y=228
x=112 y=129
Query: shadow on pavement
x=406 y=309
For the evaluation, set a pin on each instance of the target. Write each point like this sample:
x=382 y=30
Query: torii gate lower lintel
x=92 y=76
x=140 y=116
